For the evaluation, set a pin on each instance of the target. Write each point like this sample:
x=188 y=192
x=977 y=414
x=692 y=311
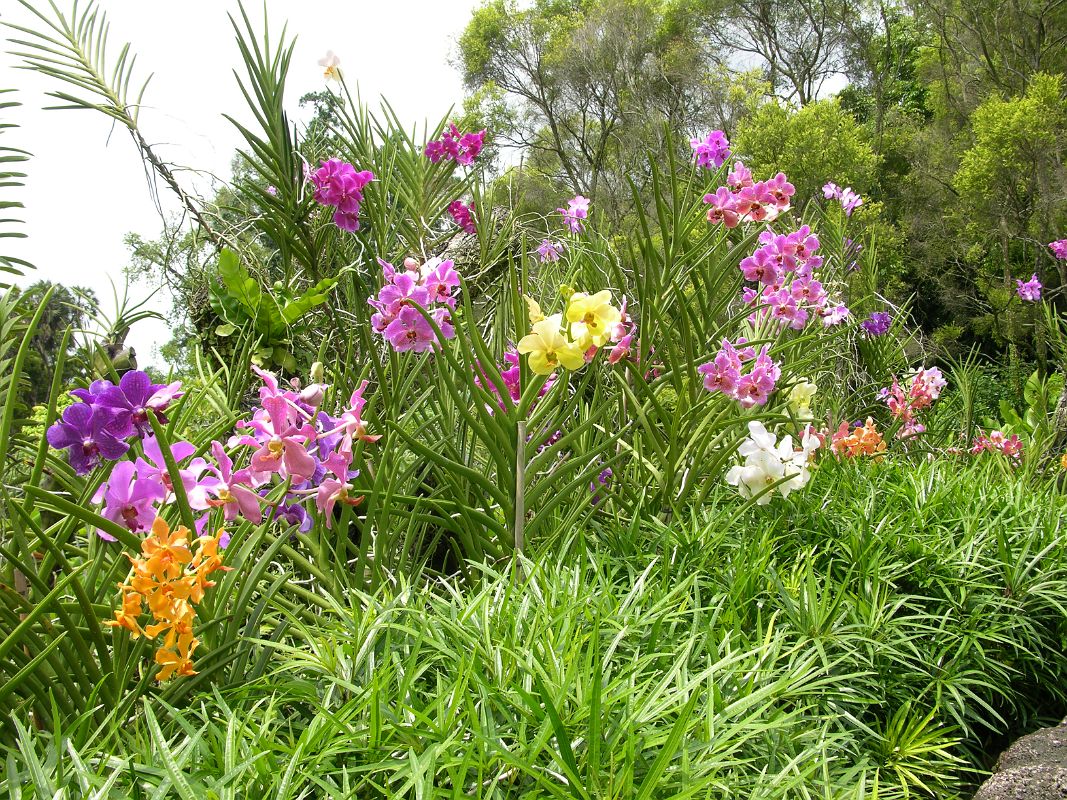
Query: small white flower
x=331 y=65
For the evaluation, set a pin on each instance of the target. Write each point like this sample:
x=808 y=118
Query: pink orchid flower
x=233 y=491
x=283 y=451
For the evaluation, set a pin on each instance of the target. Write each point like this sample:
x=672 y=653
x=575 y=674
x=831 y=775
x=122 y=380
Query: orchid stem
x=520 y=491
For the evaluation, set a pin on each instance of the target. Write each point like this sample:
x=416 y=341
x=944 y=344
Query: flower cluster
x=603 y=481
x=1029 y=290
x=591 y=323
x=431 y=287
x=1059 y=249
x=454 y=146
x=923 y=389
x=784 y=267
x=135 y=490
x=337 y=184
x=849 y=200
x=726 y=373
x=712 y=151
x=169 y=578
x=294 y=441
x=745 y=200
x=998 y=442
x=877 y=324
x=575 y=213
x=97 y=427
x=463 y=214
x=859 y=440
x=768 y=462
x=549 y=251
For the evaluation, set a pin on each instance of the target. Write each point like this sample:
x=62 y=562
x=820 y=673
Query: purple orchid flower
x=877 y=324
x=87 y=433
x=92 y=394
x=132 y=399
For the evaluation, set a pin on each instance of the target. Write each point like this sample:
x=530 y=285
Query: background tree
x=777 y=138
x=67 y=307
x=588 y=86
x=799 y=43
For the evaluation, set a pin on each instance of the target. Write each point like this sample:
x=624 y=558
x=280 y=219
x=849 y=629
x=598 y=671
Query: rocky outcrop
x=1033 y=768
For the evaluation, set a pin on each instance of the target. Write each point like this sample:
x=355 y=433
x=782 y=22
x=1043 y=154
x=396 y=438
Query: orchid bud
x=313 y=394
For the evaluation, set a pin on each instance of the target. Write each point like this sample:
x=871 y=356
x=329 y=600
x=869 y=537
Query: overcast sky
x=86 y=187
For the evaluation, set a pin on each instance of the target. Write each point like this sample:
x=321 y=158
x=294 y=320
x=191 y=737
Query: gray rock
x=1033 y=768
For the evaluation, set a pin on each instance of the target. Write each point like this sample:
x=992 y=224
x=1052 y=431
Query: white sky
x=86 y=187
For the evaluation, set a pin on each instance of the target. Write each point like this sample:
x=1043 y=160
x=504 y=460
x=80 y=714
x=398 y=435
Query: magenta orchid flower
x=577 y=210
x=712 y=151
x=1030 y=290
x=463 y=215
x=351 y=422
x=338 y=184
x=440 y=282
x=129 y=499
x=337 y=489
x=155 y=469
x=549 y=251
x=454 y=146
x=410 y=331
x=283 y=450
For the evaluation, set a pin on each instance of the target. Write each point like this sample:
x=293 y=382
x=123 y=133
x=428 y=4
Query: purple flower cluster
x=463 y=214
x=1029 y=290
x=849 y=200
x=745 y=200
x=783 y=266
x=338 y=184
x=726 y=373
x=575 y=213
x=454 y=146
x=549 y=251
x=431 y=286
x=712 y=151
x=98 y=427
x=603 y=481
x=294 y=441
x=1059 y=249
x=877 y=324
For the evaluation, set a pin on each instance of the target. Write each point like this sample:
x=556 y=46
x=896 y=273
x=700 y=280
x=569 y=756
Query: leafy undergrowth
x=872 y=637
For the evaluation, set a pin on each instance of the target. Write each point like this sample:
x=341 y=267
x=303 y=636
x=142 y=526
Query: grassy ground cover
x=877 y=636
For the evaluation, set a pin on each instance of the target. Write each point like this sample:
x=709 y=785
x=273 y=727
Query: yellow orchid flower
x=592 y=318
x=534 y=310
x=548 y=348
x=800 y=399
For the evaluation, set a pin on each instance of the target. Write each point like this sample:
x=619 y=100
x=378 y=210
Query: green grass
x=877 y=635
